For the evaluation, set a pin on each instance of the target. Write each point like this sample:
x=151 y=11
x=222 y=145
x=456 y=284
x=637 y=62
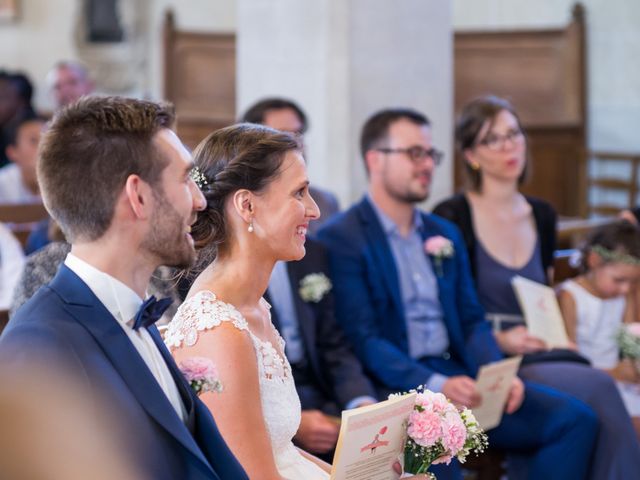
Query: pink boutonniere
x=201 y=374
x=439 y=248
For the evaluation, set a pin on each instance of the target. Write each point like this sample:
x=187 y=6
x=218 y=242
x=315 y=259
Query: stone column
x=342 y=60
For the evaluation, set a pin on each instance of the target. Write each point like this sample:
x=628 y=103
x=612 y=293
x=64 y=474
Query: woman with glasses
x=508 y=233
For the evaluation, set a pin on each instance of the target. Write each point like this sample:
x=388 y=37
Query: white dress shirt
x=123 y=303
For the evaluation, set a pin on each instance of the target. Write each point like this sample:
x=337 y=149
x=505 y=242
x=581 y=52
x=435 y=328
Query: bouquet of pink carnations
x=201 y=374
x=437 y=432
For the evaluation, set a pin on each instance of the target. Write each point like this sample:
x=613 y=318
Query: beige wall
x=47 y=31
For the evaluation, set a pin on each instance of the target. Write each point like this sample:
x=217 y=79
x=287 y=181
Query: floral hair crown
x=613 y=256
x=199 y=178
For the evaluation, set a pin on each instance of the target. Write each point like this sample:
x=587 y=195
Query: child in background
x=18 y=182
x=596 y=303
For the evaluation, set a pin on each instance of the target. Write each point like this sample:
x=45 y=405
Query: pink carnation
x=199 y=368
x=434 y=401
x=634 y=329
x=438 y=246
x=454 y=432
x=424 y=427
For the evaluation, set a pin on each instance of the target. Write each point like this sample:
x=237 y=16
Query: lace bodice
x=280 y=402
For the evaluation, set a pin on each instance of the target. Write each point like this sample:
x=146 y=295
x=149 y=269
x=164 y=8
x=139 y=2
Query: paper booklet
x=371 y=440
x=493 y=383
x=541 y=311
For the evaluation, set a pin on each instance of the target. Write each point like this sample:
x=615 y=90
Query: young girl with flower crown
x=596 y=304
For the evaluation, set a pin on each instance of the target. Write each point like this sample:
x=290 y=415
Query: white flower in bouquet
x=629 y=341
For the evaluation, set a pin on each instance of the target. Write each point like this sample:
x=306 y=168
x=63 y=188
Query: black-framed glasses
x=417 y=154
x=495 y=141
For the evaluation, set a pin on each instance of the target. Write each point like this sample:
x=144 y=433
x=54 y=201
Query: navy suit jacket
x=66 y=323
x=370 y=308
x=335 y=372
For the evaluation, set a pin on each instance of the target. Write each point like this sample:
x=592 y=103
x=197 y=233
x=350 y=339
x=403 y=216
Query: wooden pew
x=22 y=218
x=572 y=231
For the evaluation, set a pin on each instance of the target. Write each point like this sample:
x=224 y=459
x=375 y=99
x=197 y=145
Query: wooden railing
x=627 y=185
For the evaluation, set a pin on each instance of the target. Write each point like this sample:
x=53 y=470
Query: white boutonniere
x=314 y=287
x=439 y=248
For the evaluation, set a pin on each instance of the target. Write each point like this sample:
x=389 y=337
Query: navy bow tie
x=150 y=311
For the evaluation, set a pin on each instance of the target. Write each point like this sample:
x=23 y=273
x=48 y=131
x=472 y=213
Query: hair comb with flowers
x=613 y=256
x=199 y=178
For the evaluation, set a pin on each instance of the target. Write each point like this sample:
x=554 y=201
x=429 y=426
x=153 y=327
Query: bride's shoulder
x=202 y=311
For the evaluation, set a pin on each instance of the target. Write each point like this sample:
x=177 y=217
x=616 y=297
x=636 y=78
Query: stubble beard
x=166 y=239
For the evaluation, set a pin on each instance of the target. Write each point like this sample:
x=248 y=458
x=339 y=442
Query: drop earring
x=475 y=166
x=250 y=228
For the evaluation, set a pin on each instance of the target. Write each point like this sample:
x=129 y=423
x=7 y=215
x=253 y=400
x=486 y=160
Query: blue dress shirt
x=426 y=332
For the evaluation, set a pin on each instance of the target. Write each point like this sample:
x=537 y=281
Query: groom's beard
x=167 y=239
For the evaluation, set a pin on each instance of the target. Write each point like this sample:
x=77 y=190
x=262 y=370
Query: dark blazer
x=66 y=323
x=335 y=373
x=369 y=303
x=457 y=210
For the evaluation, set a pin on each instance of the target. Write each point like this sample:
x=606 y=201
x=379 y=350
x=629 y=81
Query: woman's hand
x=518 y=341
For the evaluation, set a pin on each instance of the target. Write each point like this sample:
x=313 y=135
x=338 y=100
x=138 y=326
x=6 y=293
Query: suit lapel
x=306 y=318
x=381 y=250
x=446 y=286
x=178 y=377
x=85 y=307
x=275 y=319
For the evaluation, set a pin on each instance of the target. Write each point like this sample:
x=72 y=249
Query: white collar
x=121 y=301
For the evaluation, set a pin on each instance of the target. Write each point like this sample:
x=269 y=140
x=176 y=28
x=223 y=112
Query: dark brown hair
x=375 y=131
x=90 y=149
x=257 y=112
x=243 y=156
x=621 y=237
x=471 y=120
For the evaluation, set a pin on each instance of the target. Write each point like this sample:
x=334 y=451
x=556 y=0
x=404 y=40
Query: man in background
x=68 y=81
x=285 y=115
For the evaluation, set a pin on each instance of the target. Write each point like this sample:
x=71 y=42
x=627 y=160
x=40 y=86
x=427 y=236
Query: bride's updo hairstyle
x=243 y=156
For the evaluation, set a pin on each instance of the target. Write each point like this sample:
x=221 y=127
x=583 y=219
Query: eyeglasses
x=496 y=142
x=417 y=154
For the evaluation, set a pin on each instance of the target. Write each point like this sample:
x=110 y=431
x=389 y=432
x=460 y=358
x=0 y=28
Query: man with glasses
x=406 y=300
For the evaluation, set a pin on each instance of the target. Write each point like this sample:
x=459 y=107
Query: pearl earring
x=250 y=229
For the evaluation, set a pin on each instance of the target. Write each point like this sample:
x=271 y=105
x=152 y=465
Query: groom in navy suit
x=413 y=315
x=117 y=180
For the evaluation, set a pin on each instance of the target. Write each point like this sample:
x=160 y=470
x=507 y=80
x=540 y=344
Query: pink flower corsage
x=201 y=374
x=439 y=248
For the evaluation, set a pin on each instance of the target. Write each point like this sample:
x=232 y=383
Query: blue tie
x=150 y=311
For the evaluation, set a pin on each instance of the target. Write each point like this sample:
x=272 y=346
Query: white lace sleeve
x=203 y=311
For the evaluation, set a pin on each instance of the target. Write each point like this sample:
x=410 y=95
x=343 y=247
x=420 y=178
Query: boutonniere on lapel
x=201 y=375
x=439 y=248
x=314 y=287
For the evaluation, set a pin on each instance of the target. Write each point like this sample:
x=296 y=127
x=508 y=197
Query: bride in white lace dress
x=258 y=211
